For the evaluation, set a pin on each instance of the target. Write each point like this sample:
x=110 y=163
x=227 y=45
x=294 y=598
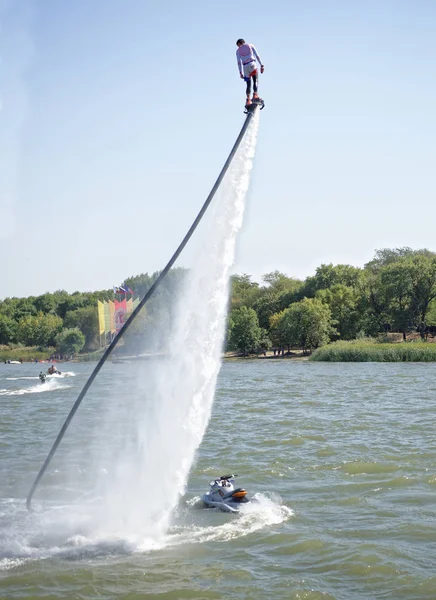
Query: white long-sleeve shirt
x=246 y=54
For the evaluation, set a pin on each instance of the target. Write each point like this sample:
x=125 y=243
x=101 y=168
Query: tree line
x=396 y=291
x=68 y=323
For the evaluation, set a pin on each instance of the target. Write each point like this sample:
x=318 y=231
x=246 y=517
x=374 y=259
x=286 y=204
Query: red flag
x=120 y=314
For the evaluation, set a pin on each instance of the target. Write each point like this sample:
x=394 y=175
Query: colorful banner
x=120 y=314
x=112 y=316
x=100 y=309
x=107 y=318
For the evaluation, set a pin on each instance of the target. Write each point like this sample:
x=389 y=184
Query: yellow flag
x=107 y=318
x=112 y=316
x=129 y=306
x=100 y=308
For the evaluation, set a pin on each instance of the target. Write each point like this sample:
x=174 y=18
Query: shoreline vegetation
x=385 y=311
x=25 y=354
x=368 y=350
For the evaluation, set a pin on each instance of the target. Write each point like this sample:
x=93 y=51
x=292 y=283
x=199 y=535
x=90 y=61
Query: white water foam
x=252 y=517
x=49 y=386
x=151 y=475
x=55 y=375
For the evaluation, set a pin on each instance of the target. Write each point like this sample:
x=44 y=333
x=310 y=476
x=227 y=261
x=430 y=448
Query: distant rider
x=246 y=57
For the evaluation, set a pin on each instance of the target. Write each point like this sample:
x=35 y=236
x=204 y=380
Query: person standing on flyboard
x=246 y=57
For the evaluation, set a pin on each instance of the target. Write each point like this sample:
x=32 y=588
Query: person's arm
x=258 y=59
x=239 y=61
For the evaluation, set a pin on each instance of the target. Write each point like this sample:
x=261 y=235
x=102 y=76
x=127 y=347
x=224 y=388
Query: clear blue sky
x=116 y=117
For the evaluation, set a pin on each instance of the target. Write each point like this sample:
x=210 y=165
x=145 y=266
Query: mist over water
x=172 y=412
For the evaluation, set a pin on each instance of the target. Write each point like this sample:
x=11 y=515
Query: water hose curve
x=146 y=297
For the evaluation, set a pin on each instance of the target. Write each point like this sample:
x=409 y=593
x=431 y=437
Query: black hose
x=129 y=321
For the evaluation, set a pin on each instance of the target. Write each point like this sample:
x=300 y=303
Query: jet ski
x=223 y=494
x=53 y=371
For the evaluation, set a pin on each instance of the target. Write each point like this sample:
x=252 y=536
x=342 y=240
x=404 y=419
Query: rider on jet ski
x=223 y=495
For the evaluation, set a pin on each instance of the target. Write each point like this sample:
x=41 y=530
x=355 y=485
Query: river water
x=341 y=457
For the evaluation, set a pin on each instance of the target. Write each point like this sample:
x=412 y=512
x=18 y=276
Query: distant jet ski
x=53 y=371
x=224 y=495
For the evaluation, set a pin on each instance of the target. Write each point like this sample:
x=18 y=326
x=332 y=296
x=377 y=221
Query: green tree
x=39 y=330
x=8 y=330
x=278 y=331
x=281 y=283
x=7 y=307
x=375 y=304
x=397 y=288
x=23 y=307
x=387 y=256
x=279 y=293
x=69 y=303
x=267 y=304
x=328 y=275
x=70 y=341
x=244 y=292
x=264 y=343
x=266 y=299
x=85 y=319
x=306 y=324
x=422 y=278
x=343 y=302
x=401 y=285
x=140 y=284
x=46 y=303
x=245 y=334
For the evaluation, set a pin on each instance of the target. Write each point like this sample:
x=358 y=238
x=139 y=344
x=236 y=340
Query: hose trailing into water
x=146 y=297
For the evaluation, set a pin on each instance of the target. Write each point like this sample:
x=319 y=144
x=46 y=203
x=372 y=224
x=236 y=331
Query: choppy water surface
x=342 y=456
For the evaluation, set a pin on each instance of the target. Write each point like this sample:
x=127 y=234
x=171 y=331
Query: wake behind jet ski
x=224 y=495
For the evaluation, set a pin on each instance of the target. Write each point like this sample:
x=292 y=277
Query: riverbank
x=341 y=351
x=270 y=354
x=25 y=353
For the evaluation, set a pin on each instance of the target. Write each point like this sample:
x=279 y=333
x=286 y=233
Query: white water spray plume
x=169 y=416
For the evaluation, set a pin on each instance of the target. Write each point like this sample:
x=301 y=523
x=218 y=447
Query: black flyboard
x=257 y=102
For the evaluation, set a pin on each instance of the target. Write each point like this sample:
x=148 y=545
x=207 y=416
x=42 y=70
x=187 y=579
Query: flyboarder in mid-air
x=246 y=57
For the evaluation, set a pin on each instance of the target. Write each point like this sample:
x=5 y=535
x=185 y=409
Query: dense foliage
x=70 y=341
x=396 y=291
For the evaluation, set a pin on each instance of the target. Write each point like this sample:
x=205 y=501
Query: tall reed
x=371 y=351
